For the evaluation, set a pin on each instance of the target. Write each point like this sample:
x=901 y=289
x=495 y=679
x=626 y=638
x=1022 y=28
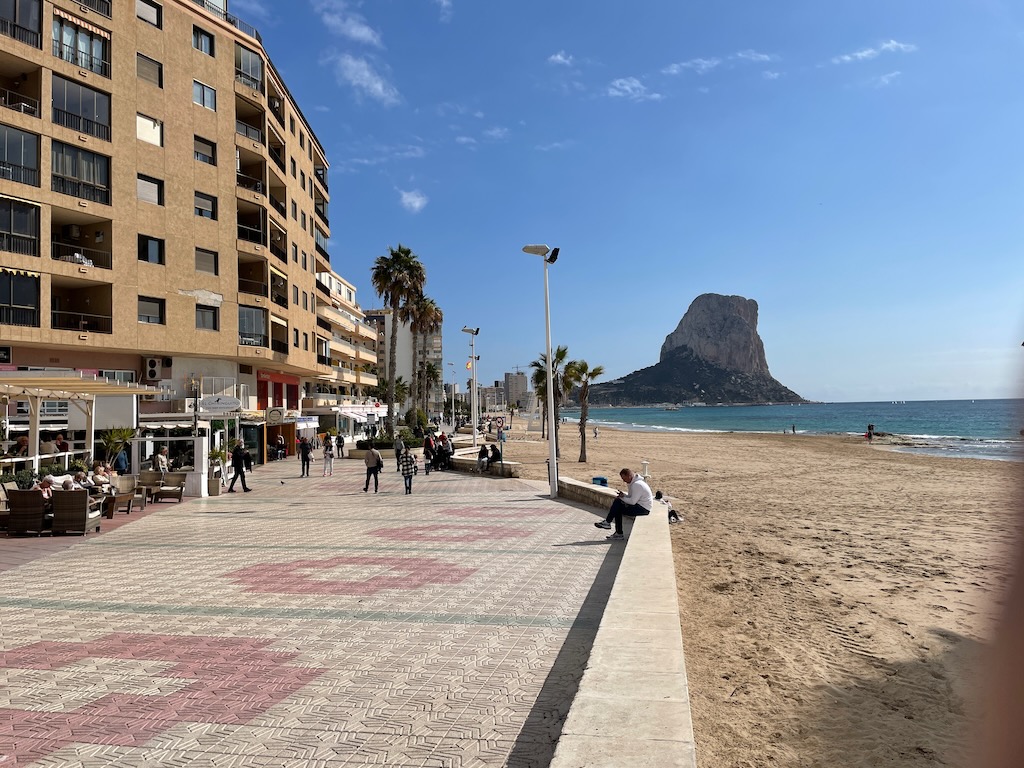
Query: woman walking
x=374 y=464
x=407 y=463
x=328 y=456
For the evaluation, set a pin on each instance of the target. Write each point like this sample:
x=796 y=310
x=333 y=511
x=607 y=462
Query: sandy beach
x=835 y=597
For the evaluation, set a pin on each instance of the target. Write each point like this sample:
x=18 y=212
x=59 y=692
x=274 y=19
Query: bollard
x=644 y=463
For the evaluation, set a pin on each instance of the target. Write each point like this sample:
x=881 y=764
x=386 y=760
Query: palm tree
x=431 y=378
x=583 y=375
x=398 y=278
x=401 y=392
x=539 y=380
x=430 y=319
x=558 y=380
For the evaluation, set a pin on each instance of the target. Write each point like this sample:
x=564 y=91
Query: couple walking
x=375 y=463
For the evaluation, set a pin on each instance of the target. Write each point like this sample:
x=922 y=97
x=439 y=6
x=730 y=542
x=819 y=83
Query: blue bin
x=600 y=481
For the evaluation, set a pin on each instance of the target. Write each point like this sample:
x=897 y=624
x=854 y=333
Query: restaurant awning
x=353 y=416
x=66 y=385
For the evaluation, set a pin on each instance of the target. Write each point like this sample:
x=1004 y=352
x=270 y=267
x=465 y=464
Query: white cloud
x=770 y=75
x=884 y=80
x=870 y=53
x=446 y=9
x=498 y=132
x=553 y=146
x=467 y=140
x=560 y=58
x=321 y=108
x=337 y=17
x=361 y=76
x=413 y=201
x=752 y=55
x=700 y=66
x=631 y=88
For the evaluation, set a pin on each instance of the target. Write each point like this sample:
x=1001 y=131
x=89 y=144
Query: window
x=19 y=227
x=152 y=311
x=23 y=14
x=252 y=327
x=205 y=151
x=151 y=249
x=305 y=300
x=302 y=142
x=291 y=125
x=303 y=221
x=204 y=95
x=248 y=68
x=80 y=173
x=19 y=298
x=206 y=206
x=81 y=109
x=295 y=337
x=207 y=318
x=295 y=295
x=80 y=43
x=206 y=261
x=150 y=70
x=149 y=190
x=149 y=130
x=292 y=166
x=302 y=180
x=202 y=41
x=149 y=12
x=295 y=211
x=303 y=259
x=295 y=253
x=305 y=341
x=19 y=156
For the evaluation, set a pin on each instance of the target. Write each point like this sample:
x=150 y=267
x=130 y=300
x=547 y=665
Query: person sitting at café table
x=20 y=448
x=47 y=446
x=160 y=462
x=100 y=476
x=62 y=445
x=45 y=485
x=82 y=481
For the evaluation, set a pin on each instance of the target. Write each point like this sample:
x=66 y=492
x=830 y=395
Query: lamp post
x=453 y=396
x=550 y=256
x=473 y=332
x=194 y=386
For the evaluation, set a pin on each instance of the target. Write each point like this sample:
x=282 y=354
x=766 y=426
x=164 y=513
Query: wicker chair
x=27 y=512
x=172 y=487
x=120 y=501
x=73 y=513
x=5 y=505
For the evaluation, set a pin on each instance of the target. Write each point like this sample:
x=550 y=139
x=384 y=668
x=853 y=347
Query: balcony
x=24 y=316
x=321 y=175
x=278 y=250
x=277 y=157
x=248 y=80
x=81 y=59
x=80 y=189
x=89 y=257
x=19 y=173
x=323 y=288
x=250 y=183
x=320 y=206
x=18 y=103
x=23 y=35
x=280 y=299
x=81 y=321
x=100 y=6
x=234 y=21
x=253 y=340
x=250 y=132
x=251 y=234
x=252 y=287
x=20 y=244
x=279 y=346
x=81 y=124
x=323 y=360
x=278 y=206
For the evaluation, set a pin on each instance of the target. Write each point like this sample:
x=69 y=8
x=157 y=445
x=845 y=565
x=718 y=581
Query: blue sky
x=857 y=168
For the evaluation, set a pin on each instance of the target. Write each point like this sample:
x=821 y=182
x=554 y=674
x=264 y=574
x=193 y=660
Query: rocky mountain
x=714 y=355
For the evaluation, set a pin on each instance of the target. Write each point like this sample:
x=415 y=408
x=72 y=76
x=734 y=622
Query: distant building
x=428 y=349
x=516 y=387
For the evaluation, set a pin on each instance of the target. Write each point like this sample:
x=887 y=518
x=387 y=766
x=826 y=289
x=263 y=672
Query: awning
x=12 y=271
x=172 y=424
x=64 y=385
x=353 y=416
x=80 y=23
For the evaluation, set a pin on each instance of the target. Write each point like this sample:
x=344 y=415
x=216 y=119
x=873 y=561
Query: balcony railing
x=321 y=176
x=248 y=80
x=253 y=340
x=322 y=288
x=20 y=244
x=100 y=6
x=248 y=182
x=279 y=346
x=81 y=124
x=277 y=205
x=321 y=211
x=275 y=155
x=280 y=299
x=26 y=316
x=279 y=251
x=19 y=173
x=249 y=131
x=23 y=35
x=82 y=189
x=323 y=359
x=253 y=287
x=81 y=58
x=237 y=23
x=81 y=321
x=251 y=234
x=321 y=323
x=75 y=254
x=15 y=101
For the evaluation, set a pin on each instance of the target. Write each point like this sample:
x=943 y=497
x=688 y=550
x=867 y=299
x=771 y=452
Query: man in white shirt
x=635 y=503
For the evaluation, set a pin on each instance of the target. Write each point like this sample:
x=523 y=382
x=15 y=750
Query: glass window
x=206 y=261
x=207 y=318
x=205 y=206
x=303 y=259
x=295 y=337
x=150 y=70
x=204 y=95
x=149 y=12
x=151 y=310
x=305 y=300
x=80 y=108
x=81 y=44
x=206 y=151
x=295 y=295
x=19 y=156
x=252 y=326
x=202 y=41
x=292 y=166
x=303 y=221
x=19 y=227
x=305 y=341
x=295 y=253
x=149 y=190
x=149 y=130
x=151 y=249
x=249 y=67
x=295 y=210
x=302 y=180
x=291 y=125
x=80 y=173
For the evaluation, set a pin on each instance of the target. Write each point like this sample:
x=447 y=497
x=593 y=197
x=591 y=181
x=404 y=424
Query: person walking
x=305 y=456
x=408 y=464
x=238 y=461
x=636 y=502
x=399 y=446
x=340 y=443
x=428 y=453
x=374 y=464
x=328 y=456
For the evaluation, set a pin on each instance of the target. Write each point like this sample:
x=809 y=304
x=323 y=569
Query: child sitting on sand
x=673 y=516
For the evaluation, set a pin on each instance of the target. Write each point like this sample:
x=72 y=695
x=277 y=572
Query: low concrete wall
x=633 y=703
x=467 y=463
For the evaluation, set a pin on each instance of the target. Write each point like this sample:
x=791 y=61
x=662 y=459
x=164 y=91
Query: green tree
x=398 y=278
x=582 y=375
x=429 y=321
x=432 y=378
x=558 y=381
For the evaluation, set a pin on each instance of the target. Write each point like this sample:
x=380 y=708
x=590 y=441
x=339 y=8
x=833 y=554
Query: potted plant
x=216 y=457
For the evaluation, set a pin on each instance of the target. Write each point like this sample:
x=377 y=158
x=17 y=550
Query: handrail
x=77 y=255
x=82 y=124
x=81 y=321
x=254 y=287
x=237 y=23
x=82 y=59
x=19 y=103
x=249 y=131
x=251 y=234
x=248 y=182
x=24 y=245
x=19 y=173
x=22 y=34
x=24 y=316
x=248 y=80
x=79 y=188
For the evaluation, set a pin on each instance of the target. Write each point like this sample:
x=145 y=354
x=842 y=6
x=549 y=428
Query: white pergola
x=77 y=388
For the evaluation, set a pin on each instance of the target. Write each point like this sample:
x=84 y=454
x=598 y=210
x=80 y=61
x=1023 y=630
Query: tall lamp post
x=453 y=396
x=550 y=256
x=194 y=385
x=473 y=332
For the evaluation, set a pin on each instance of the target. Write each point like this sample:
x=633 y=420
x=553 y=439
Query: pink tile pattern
x=452 y=533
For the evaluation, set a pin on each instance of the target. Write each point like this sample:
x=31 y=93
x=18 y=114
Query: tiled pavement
x=306 y=624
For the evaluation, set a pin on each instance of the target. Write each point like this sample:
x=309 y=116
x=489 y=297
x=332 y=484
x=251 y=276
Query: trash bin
x=600 y=481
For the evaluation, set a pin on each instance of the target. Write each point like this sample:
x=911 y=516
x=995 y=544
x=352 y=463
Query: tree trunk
x=415 y=380
x=584 y=410
x=392 y=365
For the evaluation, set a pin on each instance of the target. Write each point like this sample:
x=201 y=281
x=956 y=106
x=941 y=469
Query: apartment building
x=429 y=349
x=516 y=388
x=164 y=211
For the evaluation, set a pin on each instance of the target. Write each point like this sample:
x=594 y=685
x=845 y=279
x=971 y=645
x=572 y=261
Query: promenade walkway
x=306 y=624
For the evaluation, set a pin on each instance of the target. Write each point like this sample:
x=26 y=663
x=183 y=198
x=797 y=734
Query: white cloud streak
x=752 y=55
x=632 y=89
x=337 y=17
x=360 y=75
x=498 y=132
x=561 y=57
x=413 y=201
x=884 y=80
x=700 y=66
x=770 y=75
x=446 y=9
x=867 y=54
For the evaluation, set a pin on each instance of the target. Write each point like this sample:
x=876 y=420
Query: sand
x=835 y=598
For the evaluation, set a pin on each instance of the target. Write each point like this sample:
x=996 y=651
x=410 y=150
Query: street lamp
x=194 y=384
x=550 y=256
x=453 y=397
x=473 y=332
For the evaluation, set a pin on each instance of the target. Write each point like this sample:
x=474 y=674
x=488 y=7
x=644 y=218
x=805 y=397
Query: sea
x=978 y=429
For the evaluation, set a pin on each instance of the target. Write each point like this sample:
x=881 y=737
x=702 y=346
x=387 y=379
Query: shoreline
x=836 y=598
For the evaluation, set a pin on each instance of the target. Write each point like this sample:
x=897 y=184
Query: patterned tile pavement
x=305 y=624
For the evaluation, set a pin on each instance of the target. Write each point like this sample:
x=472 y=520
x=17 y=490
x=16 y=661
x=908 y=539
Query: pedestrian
x=399 y=446
x=305 y=456
x=161 y=461
x=121 y=462
x=328 y=456
x=341 y=446
x=374 y=464
x=635 y=503
x=239 y=456
x=408 y=464
x=481 y=459
x=597 y=433
x=495 y=456
x=282 y=448
x=673 y=516
x=428 y=453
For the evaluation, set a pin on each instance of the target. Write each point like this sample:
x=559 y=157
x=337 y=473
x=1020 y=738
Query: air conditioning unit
x=154 y=369
x=275 y=103
x=72 y=231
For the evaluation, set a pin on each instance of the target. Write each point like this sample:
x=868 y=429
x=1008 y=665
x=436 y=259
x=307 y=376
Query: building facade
x=429 y=350
x=164 y=211
x=516 y=388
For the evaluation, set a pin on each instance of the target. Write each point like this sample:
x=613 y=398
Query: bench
x=166 y=485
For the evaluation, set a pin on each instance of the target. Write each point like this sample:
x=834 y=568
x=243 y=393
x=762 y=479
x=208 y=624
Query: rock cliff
x=714 y=355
